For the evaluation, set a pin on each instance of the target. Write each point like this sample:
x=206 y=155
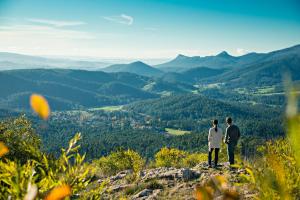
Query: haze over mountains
x=179 y=64
x=121 y=84
x=19 y=61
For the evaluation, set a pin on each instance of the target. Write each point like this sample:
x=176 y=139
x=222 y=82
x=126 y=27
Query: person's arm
x=226 y=136
x=209 y=135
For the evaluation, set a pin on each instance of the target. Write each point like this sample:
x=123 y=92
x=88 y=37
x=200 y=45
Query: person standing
x=215 y=135
x=232 y=136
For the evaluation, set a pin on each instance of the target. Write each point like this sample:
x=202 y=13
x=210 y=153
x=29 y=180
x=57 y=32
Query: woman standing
x=214 y=142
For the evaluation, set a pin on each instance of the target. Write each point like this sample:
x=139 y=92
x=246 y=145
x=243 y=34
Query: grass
x=176 y=131
x=203 y=87
x=265 y=90
x=108 y=108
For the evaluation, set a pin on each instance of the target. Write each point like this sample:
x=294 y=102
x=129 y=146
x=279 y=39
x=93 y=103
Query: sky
x=148 y=29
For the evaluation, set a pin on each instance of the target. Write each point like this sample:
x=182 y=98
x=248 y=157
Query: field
x=108 y=108
x=176 y=132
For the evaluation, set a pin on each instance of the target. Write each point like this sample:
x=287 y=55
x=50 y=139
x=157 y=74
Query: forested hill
x=78 y=89
x=195 y=112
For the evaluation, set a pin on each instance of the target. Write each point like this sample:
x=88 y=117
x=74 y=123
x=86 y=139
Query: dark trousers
x=216 y=156
x=230 y=151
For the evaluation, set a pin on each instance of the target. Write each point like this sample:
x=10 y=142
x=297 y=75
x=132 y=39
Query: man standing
x=232 y=136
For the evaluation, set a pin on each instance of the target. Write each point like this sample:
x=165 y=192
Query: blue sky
x=147 y=29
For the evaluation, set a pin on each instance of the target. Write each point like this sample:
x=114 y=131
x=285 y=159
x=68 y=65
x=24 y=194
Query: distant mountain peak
x=138 y=63
x=137 y=67
x=180 y=56
x=224 y=54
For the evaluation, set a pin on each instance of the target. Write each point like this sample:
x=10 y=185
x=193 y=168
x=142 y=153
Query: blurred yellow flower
x=59 y=193
x=3 y=149
x=204 y=193
x=40 y=105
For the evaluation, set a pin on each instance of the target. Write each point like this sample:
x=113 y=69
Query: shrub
x=169 y=157
x=37 y=173
x=20 y=138
x=119 y=161
x=193 y=159
x=276 y=174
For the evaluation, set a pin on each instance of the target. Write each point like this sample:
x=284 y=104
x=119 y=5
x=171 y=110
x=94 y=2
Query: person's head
x=229 y=120
x=215 y=124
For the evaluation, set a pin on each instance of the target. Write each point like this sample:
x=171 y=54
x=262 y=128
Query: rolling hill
x=193 y=75
x=74 y=89
x=68 y=89
x=195 y=112
x=138 y=67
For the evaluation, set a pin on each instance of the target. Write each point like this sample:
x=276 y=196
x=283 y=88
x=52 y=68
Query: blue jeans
x=230 y=151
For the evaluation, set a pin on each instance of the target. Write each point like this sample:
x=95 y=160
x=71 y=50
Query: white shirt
x=215 y=138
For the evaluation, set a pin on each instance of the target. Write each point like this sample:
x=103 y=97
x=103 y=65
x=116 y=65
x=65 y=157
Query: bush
x=20 y=138
x=119 y=161
x=276 y=174
x=169 y=157
x=20 y=177
x=193 y=159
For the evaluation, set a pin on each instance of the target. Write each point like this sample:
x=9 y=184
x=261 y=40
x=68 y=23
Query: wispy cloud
x=33 y=31
x=56 y=22
x=42 y=39
x=121 y=19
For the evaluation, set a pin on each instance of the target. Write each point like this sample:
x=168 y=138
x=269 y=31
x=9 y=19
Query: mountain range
x=126 y=83
x=224 y=60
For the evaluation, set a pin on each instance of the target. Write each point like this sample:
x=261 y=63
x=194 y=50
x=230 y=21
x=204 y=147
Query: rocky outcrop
x=170 y=183
x=170 y=173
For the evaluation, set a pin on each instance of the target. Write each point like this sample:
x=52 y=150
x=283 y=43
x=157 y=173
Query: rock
x=142 y=194
x=188 y=174
x=120 y=175
x=156 y=192
x=117 y=188
x=169 y=175
x=154 y=195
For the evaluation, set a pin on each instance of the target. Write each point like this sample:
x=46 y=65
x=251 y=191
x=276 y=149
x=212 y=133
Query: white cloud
x=41 y=39
x=55 y=22
x=240 y=51
x=121 y=19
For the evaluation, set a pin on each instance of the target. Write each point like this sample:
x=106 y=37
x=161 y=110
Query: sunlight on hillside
x=172 y=131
